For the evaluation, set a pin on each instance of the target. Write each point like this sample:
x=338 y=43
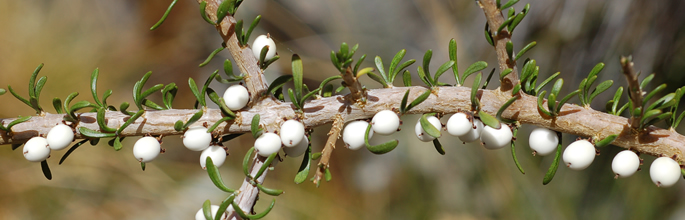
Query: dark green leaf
x=653 y=93
x=547 y=81
x=117 y=145
x=474 y=92
x=541 y=98
x=266 y=164
x=516 y=21
x=130 y=120
x=17 y=121
x=488 y=37
x=504 y=107
x=211 y=56
x=207 y=207
x=595 y=70
x=203 y=13
x=505 y=73
x=403 y=104
x=254 y=126
x=297 y=75
x=565 y=99
x=377 y=79
x=193 y=119
x=178 y=126
x=57 y=103
x=423 y=77
x=453 y=57
x=510 y=50
x=71 y=150
x=524 y=50
x=294 y=100
x=475 y=67
x=489 y=120
x=606 y=141
x=646 y=81
x=509 y=4
x=418 y=100
x=426 y=64
x=442 y=69
x=252 y=27
x=279 y=82
x=46 y=169
x=513 y=152
x=101 y=121
x=224 y=9
x=438 y=146
x=303 y=171
x=268 y=191
x=22 y=99
x=93 y=86
x=555 y=164
x=392 y=70
x=246 y=162
x=487 y=80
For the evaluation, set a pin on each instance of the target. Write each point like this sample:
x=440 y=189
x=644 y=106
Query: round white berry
x=385 y=122
x=579 y=154
x=260 y=42
x=291 y=132
x=625 y=163
x=421 y=134
x=216 y=152
x=236 y=97
x=36 y=149
x=267 y=144
x=543 y=141
x=353 y=134
x=458 y=124
x=665 y=172
x=298 y=149
x=60 y=137
x=197 y=138
x=146 y=149
x=474 y=133
x=496 y=138
x=215 y=208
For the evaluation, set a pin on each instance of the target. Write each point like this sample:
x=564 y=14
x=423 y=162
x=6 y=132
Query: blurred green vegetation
x=413 y=182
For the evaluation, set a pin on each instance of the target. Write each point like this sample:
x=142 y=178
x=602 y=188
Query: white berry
x=36 y=149
x=197 y=138
x=353 y=134
x=291 y=132
x=458 y=124
x=60 y=137
x=665 y=172
x=267 y=144
x=625 y=163
x=217 y=153
x=215 y=208
x=298 y=149
x=146 y=149
x=579 y=154
x=236 y=97
x=421 y=134
x=543 y=141
x=474 y=133
x=496 y=138
x=260 y=42
x=385 y=122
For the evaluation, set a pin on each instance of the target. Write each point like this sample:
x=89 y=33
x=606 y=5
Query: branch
x=333 y=136
x=573 y=119
x=495 y=19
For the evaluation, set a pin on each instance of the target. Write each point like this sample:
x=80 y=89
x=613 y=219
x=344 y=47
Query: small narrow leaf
x=166 y=14
x=474 y=92
x=254 y=126
x=428 y=127
x=509 y=4
x=94 y=134
x=595 y=70
x=475 y=67
x=46 y=169
x=246 y=162
x=71 y=150
x=606 y=141
x=403 y=104
x=513 y=152
x=510 y=50
x=297 y=75
x=406 y=78
x=211 y=56
x=646 y=81
x=555 y=164
x=215 y=176
x=547 y=81
x=524 y=50
x=488 y=120
x=224 y=205
x=438 y=146
x=203 y=13
x=207 y=209
x=268 y=191
x=392 y=70
x=381 y=148
x=541 y=98
x=418 y=100
x=266 y=164
x=303 y=171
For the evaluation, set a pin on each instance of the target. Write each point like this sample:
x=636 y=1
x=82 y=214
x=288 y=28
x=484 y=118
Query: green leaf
x=327 y=175
x=207 y=209
x=203 y=13
x=489 y=120
x=268 y=191
x=487 y=80
x=488 y=37
x=406 y=78
x=132 y=119
x=595 y=70
x=246 y=162
x=117 y=145
x=359 y=62
x=565 y=99
x=257 y=216
x=57 y=103
x=101 y=121
x=504 y=24
x=426 y=64
x=279 y=82
x=453 y=57
x=653 y=93
x=516 y=21
x=224 y=9
x=418 y=100
x=392 y=70
x=193 y=119
x=428 y=127
x=505 y=73
x=254 y=126
x=509 y=4
x=606 y=141
x=547 y=81
x=442 y=69
x=294 y=100
x=646 y=81
x=215 y=176
x=168 y=94
x=504 y=107
x=196 y=92
x=377 y=79
x=32 y=82
x=93 y=86
x=551 y=104
x=22 y=99
x=423 y=77
x=510 y=50
x=266 y=164
x=316 y=156
x=16 y=122
x=256 y=20
x=524 y=50
x=297 y=75
x=475 y=67
x=555 y=164
x=379 y=66
x=303 y=171
x=557 y=87
x=541 y=97
x=94 y=134
x=220 y=102
x=178 y=126
x=224 y=205
x=166 y=13
x=474 y=92
x=403 y=104
x=46 y=169
x=600 y=88
x=211 y=56
x=513 y=152
x=381 y=148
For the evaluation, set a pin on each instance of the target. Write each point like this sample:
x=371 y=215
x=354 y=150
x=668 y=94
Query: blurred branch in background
x=412 y=182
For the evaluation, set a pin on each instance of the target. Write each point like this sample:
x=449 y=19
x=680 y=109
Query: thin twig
x=495 y=19
x=333 y=136
x=634 y=90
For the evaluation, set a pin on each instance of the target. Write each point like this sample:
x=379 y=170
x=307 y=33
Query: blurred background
x=74 y=37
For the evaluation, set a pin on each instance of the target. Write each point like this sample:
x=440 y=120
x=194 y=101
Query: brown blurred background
x=413 y=182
